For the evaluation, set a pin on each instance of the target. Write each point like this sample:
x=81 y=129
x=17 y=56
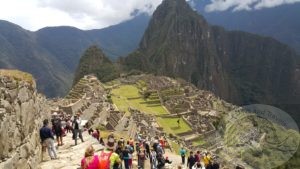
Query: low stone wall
x=22 y=111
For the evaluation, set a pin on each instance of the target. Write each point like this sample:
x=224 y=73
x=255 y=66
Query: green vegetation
x=199 y=141
x=95 y=62
x=18 y=75
x=170 y=125
x=128 y=96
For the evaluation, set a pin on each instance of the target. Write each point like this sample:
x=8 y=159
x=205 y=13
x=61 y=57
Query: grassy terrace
x=170 y=125
x=128 y=96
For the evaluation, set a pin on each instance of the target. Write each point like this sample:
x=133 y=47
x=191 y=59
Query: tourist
x=130 y=156
x=57 y=127
x=68 y=126
x=198 y=156
x=96 y=134
x=48 y=139
x=77 y=128
x=153 y=160
x=207 y=159
x=90 y=160
x=182 y=153
x=108 y=158
x=167 y=160
x=90 y=131
x=141 y=153
x=198 y=165
x=101 y=141
x=131 y=143
x=126 y=156
x=147 y=147
x=191 y=160
x=160 y=161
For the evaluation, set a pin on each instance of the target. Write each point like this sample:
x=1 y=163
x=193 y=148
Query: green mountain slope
x=239 y=67
x=93 y=61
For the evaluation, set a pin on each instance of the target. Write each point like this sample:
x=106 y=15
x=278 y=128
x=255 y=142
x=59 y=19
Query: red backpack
x=104 y=162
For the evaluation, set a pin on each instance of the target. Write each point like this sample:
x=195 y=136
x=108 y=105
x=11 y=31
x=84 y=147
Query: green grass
x=128 y=96
x=199 y=141
x=17 y=75
x=170 y=125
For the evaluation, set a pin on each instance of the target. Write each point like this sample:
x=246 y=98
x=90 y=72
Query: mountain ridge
x=240 y=67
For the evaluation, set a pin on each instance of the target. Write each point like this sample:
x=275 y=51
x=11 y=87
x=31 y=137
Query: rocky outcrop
x=22 y=111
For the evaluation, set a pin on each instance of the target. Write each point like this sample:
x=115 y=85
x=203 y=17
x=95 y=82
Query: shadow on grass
x=151 y=102
x=133 y=98
x=175 y=128
x=154 y=105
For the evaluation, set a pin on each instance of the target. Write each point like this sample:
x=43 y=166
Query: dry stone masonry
x=22 y=111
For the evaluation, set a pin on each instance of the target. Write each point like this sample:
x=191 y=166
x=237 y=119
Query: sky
x=95 y=14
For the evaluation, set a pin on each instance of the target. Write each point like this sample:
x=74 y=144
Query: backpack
x=57 y=125
x=104 y=161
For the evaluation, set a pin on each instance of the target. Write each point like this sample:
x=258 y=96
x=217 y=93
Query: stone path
x=69 y=155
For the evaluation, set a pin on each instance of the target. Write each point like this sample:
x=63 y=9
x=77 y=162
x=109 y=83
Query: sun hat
x=110 y=143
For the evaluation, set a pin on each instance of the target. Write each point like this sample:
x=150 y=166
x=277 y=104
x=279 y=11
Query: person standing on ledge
x=48 y=139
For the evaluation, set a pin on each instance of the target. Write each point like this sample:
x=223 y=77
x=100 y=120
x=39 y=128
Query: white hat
x=54 y=114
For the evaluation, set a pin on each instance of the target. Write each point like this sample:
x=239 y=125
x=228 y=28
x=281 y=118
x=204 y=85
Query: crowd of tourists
x=198 y=160
x=119 y=154
x=61 y=124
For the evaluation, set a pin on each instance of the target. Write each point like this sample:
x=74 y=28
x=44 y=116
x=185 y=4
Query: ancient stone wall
x=22 y=111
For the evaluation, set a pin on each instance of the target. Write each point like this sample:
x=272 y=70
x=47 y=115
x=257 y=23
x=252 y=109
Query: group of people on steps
x=58 y=128
x=118 y=154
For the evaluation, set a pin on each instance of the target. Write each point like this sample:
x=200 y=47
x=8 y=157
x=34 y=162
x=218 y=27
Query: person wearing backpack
x=126 y=156
x=108 y=158
x=90 y=161
x=57 y=127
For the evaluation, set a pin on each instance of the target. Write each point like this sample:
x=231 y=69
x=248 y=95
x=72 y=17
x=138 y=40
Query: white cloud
x=83 y=14
x=237 y=5
x=94 y=14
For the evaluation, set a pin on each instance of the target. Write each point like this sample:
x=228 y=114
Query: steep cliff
x=94 y=61
x=240 y=67
x=22 y=110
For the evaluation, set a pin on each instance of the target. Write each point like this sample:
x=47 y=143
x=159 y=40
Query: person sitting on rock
x=90 y=160
x=48 y=139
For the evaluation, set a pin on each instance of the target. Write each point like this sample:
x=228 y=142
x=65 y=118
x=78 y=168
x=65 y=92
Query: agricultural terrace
x=126 y=96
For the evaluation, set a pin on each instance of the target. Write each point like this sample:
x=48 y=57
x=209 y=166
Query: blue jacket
x=45 y=133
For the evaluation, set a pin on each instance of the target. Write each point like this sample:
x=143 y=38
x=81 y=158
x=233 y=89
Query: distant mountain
x=19 y=49
x=94 y=61
x=278 y=22
x=52 y=54
x=240 y=67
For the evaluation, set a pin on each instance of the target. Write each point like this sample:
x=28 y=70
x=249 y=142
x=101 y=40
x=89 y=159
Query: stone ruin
x=144 y=124
x=113 y=119
x=22 y=111
x=87 y=91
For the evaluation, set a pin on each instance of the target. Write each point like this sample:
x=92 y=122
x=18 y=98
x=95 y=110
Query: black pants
x=183 y=159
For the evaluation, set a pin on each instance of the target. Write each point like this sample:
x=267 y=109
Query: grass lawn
x=199 y=141
x=128 y=96
x=170 y=125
